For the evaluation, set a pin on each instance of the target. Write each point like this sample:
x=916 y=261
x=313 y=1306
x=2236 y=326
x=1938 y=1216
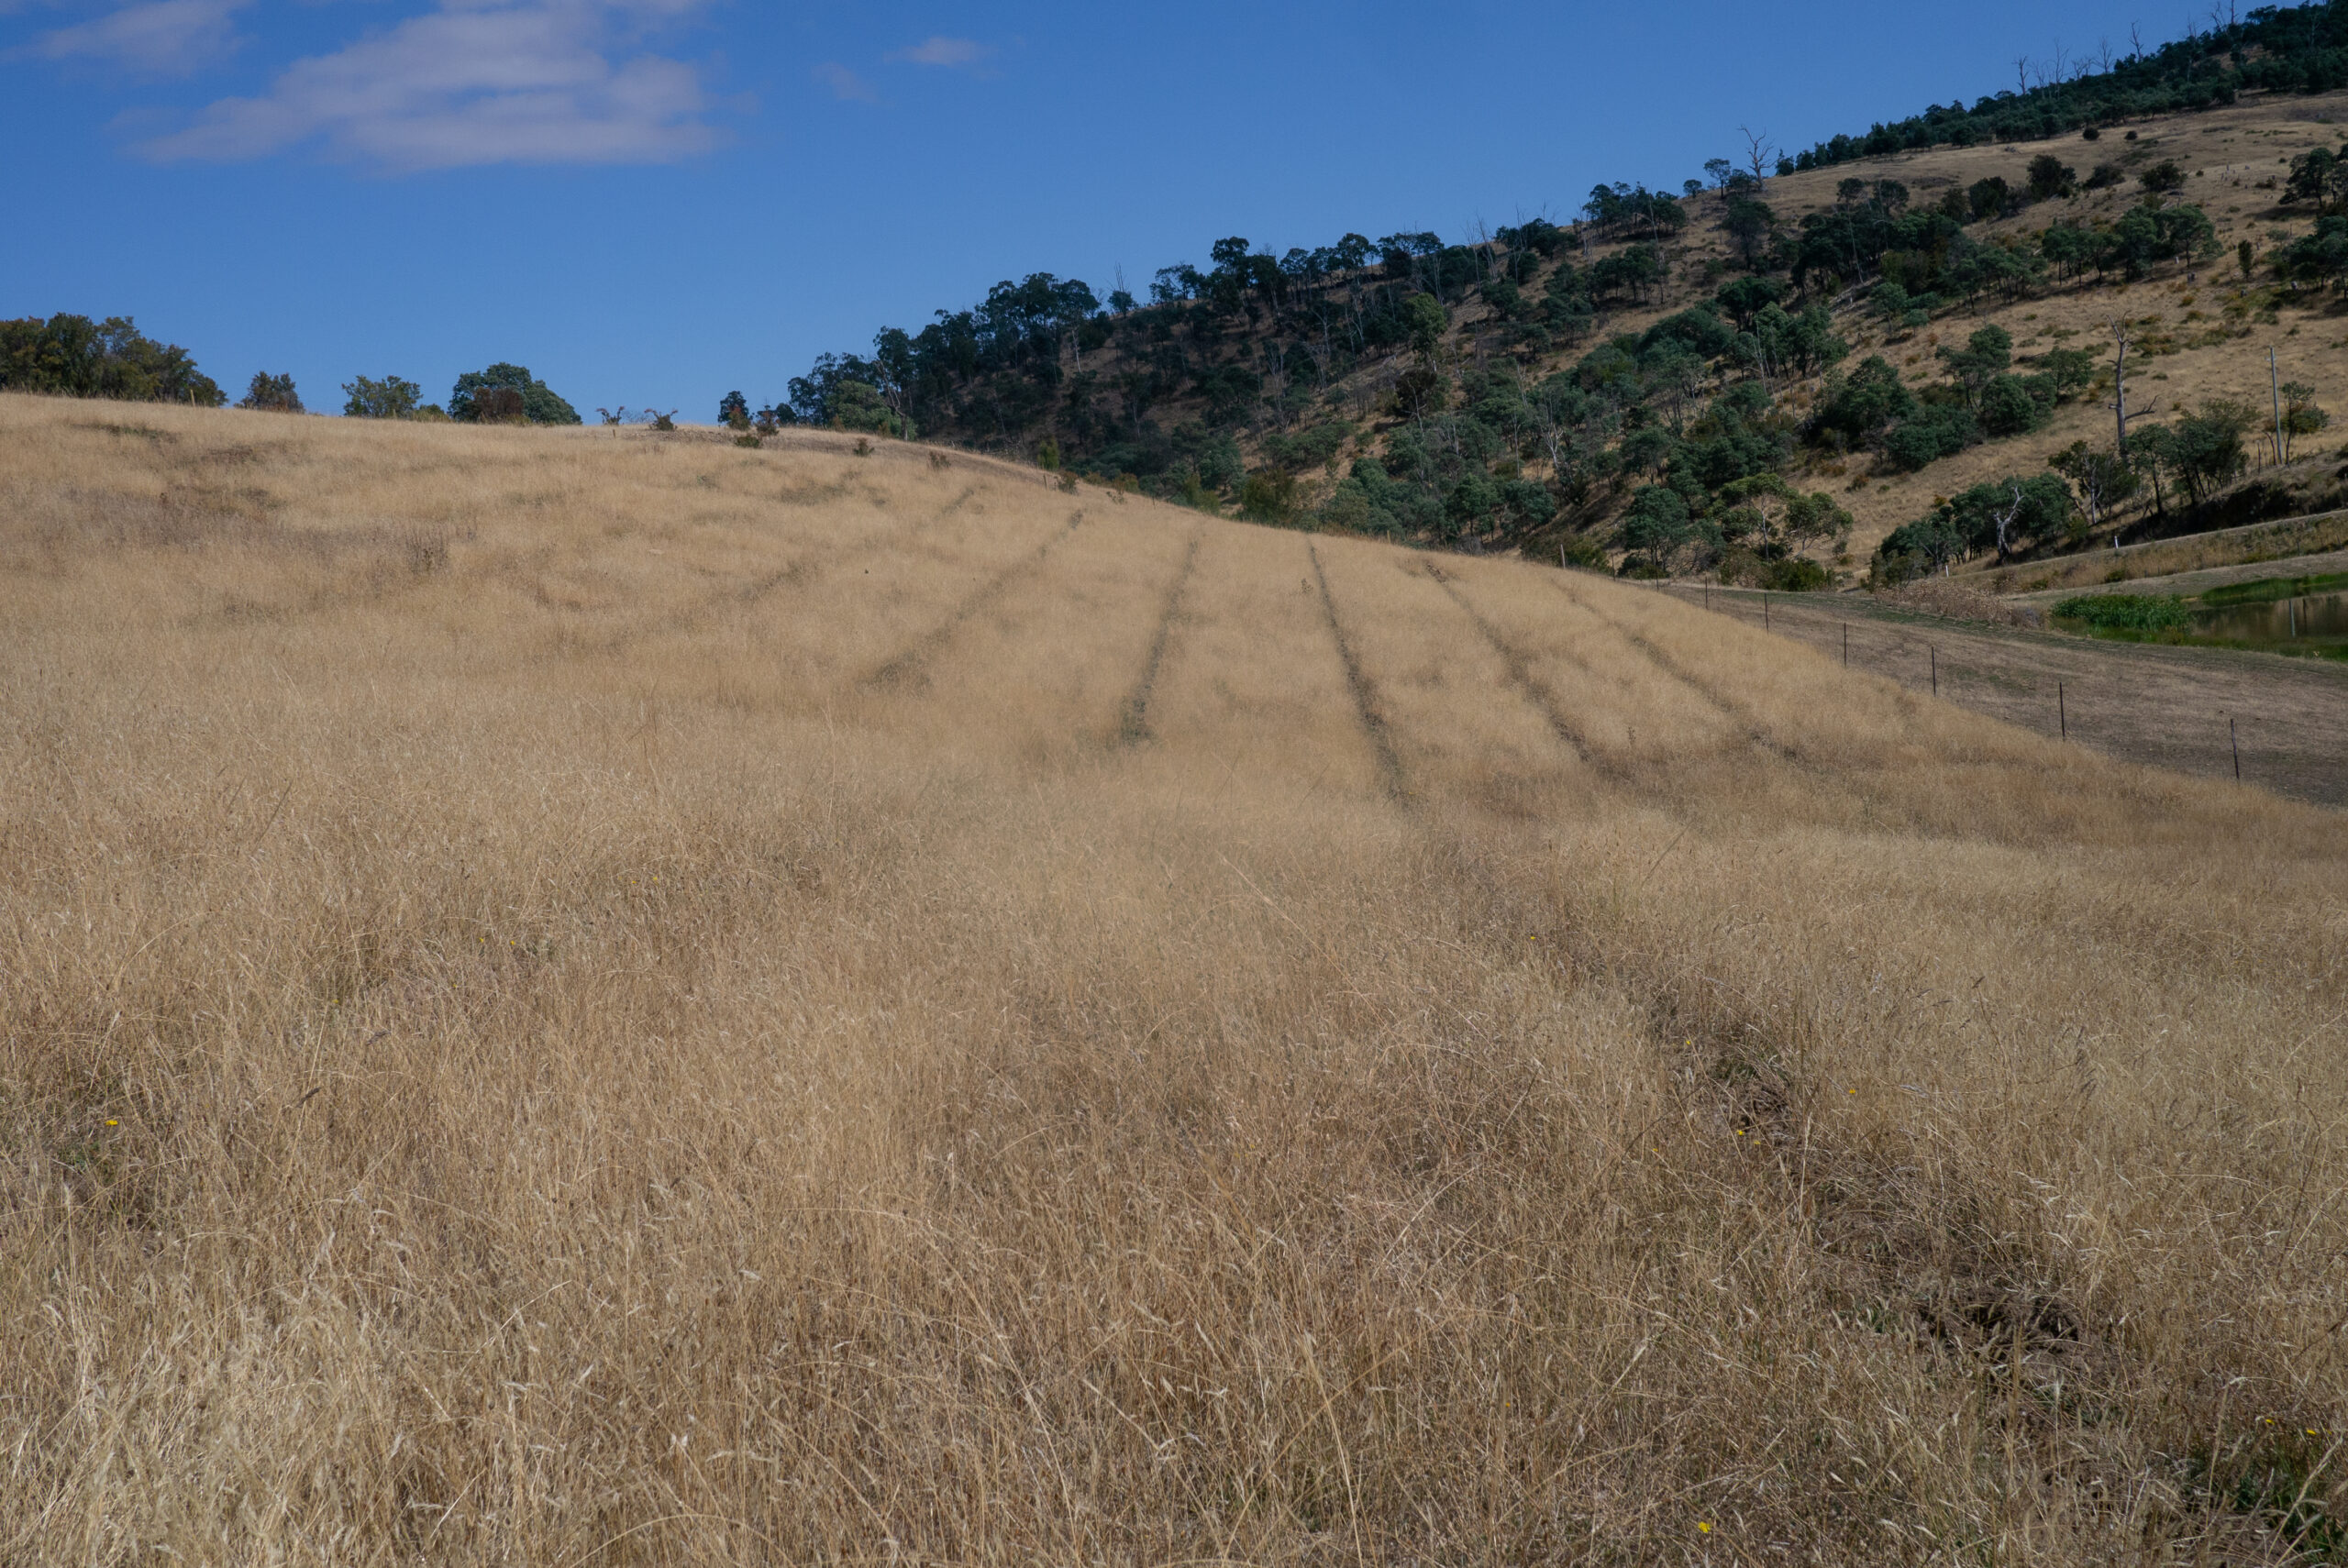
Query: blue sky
x=657 y=201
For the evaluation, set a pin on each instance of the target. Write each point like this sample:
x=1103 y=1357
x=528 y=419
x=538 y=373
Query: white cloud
x=958 y=53
x=162 y=37
x=473 y=81
x=846 y=84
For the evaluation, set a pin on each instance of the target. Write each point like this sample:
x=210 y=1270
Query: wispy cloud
x=159 y=37
x=473 y=81
x=846 y=84
x=958 y=54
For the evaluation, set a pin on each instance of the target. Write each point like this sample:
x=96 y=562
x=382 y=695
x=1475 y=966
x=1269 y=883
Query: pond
x=2315 y=622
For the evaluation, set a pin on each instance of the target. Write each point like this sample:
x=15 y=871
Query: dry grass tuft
x=582 y=1000
x=1958 y=602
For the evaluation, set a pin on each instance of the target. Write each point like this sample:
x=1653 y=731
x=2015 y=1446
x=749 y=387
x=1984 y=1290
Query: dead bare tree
x=1759 y=155
x=2119 y=405
x=2006 y=523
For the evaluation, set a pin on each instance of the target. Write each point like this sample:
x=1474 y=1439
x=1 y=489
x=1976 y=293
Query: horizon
x=616 y=193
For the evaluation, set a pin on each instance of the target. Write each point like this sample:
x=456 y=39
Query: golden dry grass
x=583 y=1001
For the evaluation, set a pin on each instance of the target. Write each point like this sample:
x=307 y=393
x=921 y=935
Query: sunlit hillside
x=581 y=997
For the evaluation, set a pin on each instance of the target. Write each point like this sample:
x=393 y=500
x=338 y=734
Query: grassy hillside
x=1606 y=384
x=572 y=997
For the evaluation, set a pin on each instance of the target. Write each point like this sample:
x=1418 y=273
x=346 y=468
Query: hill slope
x=584 y=996
x=1670 y=374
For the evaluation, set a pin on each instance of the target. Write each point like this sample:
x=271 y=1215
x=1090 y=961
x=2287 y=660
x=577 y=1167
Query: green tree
x=859 y=406
x=1857 y=410
x=2208 y=449
x=72 y=356
x=734 y=412
x=1747 y=297
x=1927 y=545
x=2320 y=178
x=2100 y=479
x=2300 y=414
x=541 y=406
x=2067 y=248
x=2001 y=515
x=1988 y=198
x=2319 y=259
x=2005 y=408
x=1987 y=355
x=1427 y=320
x=390 y=398
x=1749 y=225
x=1658 y=522
x=272 y=394
x=2071 y=370
x=2050 y=177
x=2153 y=451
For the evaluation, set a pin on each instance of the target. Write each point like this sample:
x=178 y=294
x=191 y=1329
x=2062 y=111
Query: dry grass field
x=571 y=1000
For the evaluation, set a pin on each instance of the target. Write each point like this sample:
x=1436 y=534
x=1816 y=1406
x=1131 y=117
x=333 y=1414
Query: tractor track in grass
x=1529 y=687
x=1756 y=732
x=1365 y=695
x=907 y=668
x=805 y=568
x=1133 y=719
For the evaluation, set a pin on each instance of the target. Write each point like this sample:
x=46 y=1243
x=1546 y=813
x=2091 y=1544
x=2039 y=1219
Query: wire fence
x=1914 y=660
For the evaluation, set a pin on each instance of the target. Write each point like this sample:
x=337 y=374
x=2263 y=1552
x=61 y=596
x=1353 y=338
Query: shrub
x=1935 y=432
x=1269 y=496
x=2008 y=408
x=1796 y=574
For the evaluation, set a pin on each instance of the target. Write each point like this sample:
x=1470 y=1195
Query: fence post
x=1936 y=669
x=2233 y=737
x=2062 y=711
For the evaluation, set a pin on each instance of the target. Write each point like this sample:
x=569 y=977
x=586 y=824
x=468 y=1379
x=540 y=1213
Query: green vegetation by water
x=2303 y=616
x=2107 y=614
